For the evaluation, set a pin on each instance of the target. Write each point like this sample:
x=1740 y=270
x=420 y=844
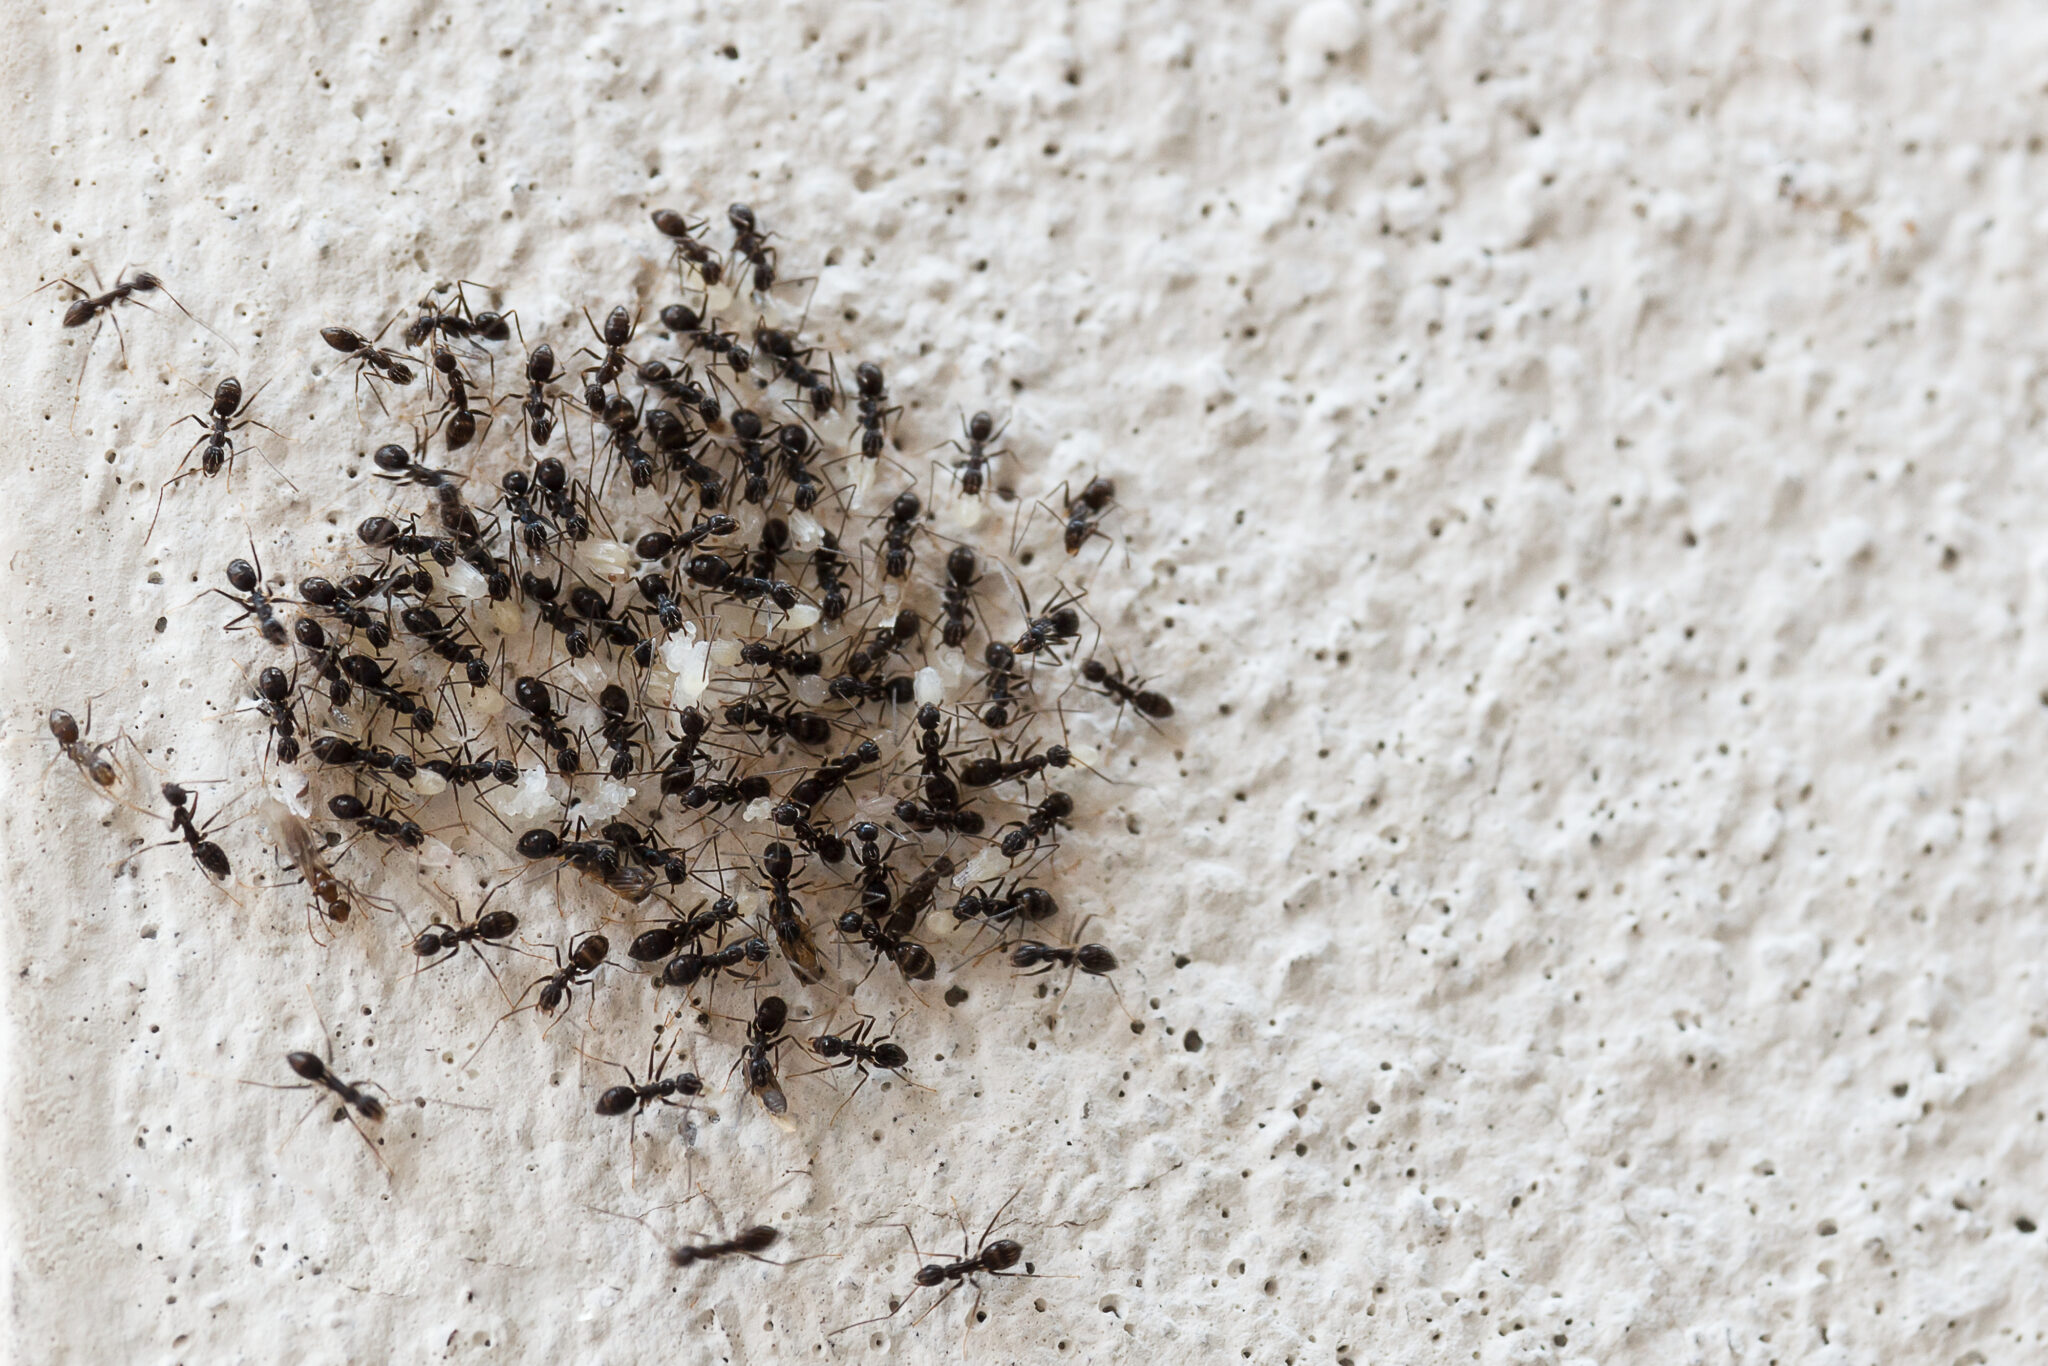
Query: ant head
x=980 y=427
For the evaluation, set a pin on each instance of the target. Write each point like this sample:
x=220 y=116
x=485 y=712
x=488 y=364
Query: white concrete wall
x=1581 y=469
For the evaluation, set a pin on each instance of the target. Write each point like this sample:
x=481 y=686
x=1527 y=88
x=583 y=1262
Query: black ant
x=1141 y=699
x=683 y=233
x=370 y=359
x=211 y=858
x=1084 y=510
x=988 y=771
x=92 y=759
x=274 y=700
x=756 y=1060
x=687 y=969
x=990 y=1258
x=1000 y=907
x=897 y=552
x=1001 y=681
x=786 y=916
x=679 y=765
x=1030 y=832
x=247 y=580
x=538 y=409
x=620 y=731
x=88 y=307
x=587 y=953
x=854 y=1049
x=1044 y=634
x=665 y=939
x=912 y=959
x=980 y=429
x=873 y=413
x=219 y=453
x=792 y=363
x=404 y=832
x=400 y=466
x=828 y=564
x=490 y=326
x=751 y=1242
x=442 y=942
x=1036 y=957
x=749 y=241
x=319 y=1075
x=458 y=418
x=683 y=388
x=925 y=819
x=683 y=321
x=917 y=896
x=618 y=329
x=962 y=573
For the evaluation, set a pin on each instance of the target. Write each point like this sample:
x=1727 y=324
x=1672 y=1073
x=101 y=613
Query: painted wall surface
x=1581 y=481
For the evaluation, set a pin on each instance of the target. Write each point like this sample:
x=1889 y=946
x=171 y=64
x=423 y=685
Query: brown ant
x=990 y=1258
x=303 y=847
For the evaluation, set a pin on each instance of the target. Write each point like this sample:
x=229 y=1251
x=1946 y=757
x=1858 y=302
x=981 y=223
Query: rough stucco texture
x=1580 y=470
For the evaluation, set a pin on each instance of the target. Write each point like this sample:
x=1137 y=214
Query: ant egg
x=427 y=783
x=725 y=652
x=531 y=800
x=608 y=800
x=690 y=662
x=758 y=809
x=928 y=687
x=812 y=690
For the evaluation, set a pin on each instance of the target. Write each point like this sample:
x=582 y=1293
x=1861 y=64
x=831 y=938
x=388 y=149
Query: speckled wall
x=1578 y=472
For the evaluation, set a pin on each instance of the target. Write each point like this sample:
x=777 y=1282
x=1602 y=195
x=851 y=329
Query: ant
x=1030 y=832
x=980 y=429
x=274 y=700
x=786 y=916
x=92 y=759
x=406 y=833
x=212 y=860
x=318 y=1075
x=489 y=326
x=751 y=1242
x=764 y=1036
x=684 y=322
x=620 y=731
x=1000 y=680
x=872 y=413
x=539 y=412
x=1044 y=634
x=1084 y=510
x=897 y=552
x=854 y=1049
x=962 y=573
x=687 y=969
x=990 y=1258
x=447 y=940
x=636 y=1095
x=912 y=959
x=1036 y=957
x=331 y=895
x=665 y=939
x=87 y=307
x=587 y=953
x=828 y=564
x=925 y=819
x=618 y=329
x=219 y=453
x=1000 y=907
x=247 y=580
x=457 y=416
x=749 y=241
x=988 y=771
x=371 y=359
x=1149 y=704
x=683 y=233
x=917 y=896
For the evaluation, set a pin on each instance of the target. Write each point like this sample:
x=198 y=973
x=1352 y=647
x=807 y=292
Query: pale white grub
x=812 y=690
x=758 y=809
x=725 y=652
x=928 y=687
x=806 y=533
x=461 y=580
x=614 y=560
x=797 y=619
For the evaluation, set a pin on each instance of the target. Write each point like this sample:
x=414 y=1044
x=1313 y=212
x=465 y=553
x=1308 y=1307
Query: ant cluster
x=692 y=633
